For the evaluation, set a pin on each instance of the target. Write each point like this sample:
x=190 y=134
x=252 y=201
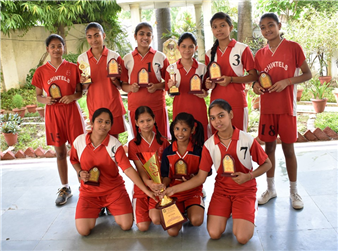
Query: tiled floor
x=31 y=221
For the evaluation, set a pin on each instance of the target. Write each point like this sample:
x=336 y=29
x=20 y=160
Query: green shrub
x=17 y=101
x=10 y=127
x=327 y=119
x=71 y=57
x=10 y=117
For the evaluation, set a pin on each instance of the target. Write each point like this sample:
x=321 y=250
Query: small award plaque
x=196 y=85
x=264 y=80
x=170 y=215
x=94 y=175
x=113 y=68
x=181 y=170
x=54 y=91
x=85 y=69
x=228 y=166
x=143 y=78
x=215 y=72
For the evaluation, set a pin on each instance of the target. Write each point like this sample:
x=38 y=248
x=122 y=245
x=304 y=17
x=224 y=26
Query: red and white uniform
x=284 y=63
x=184 y=101
x=242 y=148
x=155 y=63
x=236 y=58
x=102 y=92
x=63 y=122
x=141 y=202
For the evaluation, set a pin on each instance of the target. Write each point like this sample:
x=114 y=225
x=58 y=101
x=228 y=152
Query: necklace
x=224 y=138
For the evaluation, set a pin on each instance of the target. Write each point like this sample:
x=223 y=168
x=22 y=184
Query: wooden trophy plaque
x=143 y=78
x=113 y=68
x=94 y=176
x=55 y=91
x=196 y=85
x=181 y=170
x=228 y=164
x=215 y=72
x=170 y=214
x=264 y=80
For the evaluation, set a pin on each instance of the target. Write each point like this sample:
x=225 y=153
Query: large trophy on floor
x=170 y=214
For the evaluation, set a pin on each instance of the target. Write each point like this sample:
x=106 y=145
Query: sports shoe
x=102 y=212
x=296 y=201
x=63 y=195
x=266 y=196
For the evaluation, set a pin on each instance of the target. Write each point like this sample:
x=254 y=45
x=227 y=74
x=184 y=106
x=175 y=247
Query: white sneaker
x=266 y=196
x=296 y=201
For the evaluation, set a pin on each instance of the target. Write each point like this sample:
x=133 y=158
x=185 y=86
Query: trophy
x=196 y=85
x=174 y=89
x=170 y=214
x=215 y=72
x=143 y=78
x=181 y=170
x=228 y=164
x=264 y=80
x=54 y=91
x=94 y=175
x=113 y=68
x=85 y=69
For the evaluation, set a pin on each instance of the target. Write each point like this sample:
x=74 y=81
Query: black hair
x=94 y=25
x=145 y=109
x=218 y=15
x=54 y=36
x=221 y=103
x=186 y=35
x=99 y=111
x=198 y=136
x=141 y=25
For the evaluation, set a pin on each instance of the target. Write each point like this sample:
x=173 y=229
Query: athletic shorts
x=141 y=207
x=63 y=123
x=240 y=119
x=194 y=200
x=117 y=202
x=241 y=207
x=272 y=125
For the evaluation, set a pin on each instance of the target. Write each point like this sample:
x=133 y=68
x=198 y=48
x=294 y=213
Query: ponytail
x=158 y=135
x=138 y=136
x=213 y=52
x=198 y=136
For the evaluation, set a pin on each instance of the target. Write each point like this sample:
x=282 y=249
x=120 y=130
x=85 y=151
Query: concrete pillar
x=200 y=40
x=208 y=36
x=135 y=13
x=9 y=68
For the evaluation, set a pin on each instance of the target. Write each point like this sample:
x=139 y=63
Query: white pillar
x=135 y=13
x=200 y=41
x=208 y=36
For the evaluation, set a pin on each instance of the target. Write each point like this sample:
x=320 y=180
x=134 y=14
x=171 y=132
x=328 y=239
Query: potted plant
x=10 y=131
x=300 y=90
x=41 y=109
x=31 y=108
x=318 y=89
x=17 y=102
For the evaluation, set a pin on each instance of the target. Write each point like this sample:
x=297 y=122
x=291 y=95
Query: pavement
x=31 y=221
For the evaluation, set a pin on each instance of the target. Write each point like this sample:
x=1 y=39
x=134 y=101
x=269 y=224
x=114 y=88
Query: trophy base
x=196 y=92
x=173 y=93
x=92 y=183
x=143 y=85
x=216 y=80
x=117 y=75
x=88 y=81
x=228 y=175
x=180 y=177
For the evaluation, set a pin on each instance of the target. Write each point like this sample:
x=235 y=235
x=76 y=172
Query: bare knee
x=173 y=233
x=214 y=234
x=143 y=226
x=126 y=226
x=242 y=238
x=61 y=153
x=83 y=231
x=196 y=220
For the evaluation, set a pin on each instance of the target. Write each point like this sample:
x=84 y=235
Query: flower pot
x=10 y=138
x=20 y=111
x=31 y=108
x=299 y=94
x=41 y=111
x=255 y=102
x=323 y=79
x=2 y=111
x=319 y=104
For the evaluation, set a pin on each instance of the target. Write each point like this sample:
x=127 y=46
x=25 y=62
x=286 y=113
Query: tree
x=163 y=25
x=244 y=25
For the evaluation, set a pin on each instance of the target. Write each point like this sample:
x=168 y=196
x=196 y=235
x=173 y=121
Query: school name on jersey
x=276 y=64
x=57 y=78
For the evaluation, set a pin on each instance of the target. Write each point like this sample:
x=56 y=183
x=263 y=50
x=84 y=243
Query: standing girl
x=100 y=152
x=184 y=69
x=146 y=140
x=63 y=120
x=103 y=91
x=155 y=63
x=184 y=155
x=233 y=58
x=282 y=60
x=235 y=194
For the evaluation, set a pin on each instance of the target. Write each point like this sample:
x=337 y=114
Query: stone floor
x=31 y=221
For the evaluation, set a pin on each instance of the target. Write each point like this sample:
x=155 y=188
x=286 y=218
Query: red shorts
x=284 y=125
x=117 y=202
x=241 y=207
x=118 y=125
x=63 y=123
x=194 y=200
x=240 y=119
x=141 y=207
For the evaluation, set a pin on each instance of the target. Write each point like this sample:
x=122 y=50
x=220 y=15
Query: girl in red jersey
x=282 y=60
x=235 y=194
x=180 y=162
x=233 y=58
x=100 y=153
x=146 y=140
x=63 y=120
x=184 y=69
x=103 y=91
x=155 y=63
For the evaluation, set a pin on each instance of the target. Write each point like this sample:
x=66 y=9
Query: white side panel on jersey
x=112 y=54
x=215 y=152
x=201 y=70
x=80 y=144
x=157 y=64
x=235 y=58
x=243 y=149
x=112 y=146
x=294 y=98
x=129 y=64
x=83 y=58
x=177 y=72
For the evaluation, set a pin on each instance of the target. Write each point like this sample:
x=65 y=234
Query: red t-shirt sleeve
x=167 y=77
x=257 y=56
x=165 y=66
x=73 y=157
x=300 y=57
x=132 y=150
x=37 y=79
x=206 y=161
x=257 y=153
x=124 y=73
x=122 y=159
x=248 y=60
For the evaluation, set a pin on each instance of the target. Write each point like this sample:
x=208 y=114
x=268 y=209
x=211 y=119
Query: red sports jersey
x=242 y=147
x=106 y=157
x=192 y=159
x=153 y=146
x=284 y=63
x=184 y=101
x=236 y=58
x=102 y=92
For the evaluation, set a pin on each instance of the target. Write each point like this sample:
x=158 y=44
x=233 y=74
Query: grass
x=327 y=119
